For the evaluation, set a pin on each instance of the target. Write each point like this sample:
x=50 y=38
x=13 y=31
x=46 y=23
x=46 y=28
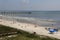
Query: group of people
x=52 y=30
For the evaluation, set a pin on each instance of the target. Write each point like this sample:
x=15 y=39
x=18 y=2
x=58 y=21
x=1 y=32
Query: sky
x=30 y=5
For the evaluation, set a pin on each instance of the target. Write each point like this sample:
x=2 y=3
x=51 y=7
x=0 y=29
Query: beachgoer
x=34 y=32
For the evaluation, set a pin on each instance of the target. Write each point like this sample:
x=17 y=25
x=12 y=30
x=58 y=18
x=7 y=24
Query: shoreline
x=40 y=22
x=29 y=28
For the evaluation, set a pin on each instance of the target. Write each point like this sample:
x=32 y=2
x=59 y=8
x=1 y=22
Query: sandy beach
x=29 y=28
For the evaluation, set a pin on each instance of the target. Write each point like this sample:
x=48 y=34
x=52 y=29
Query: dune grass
x=22 y=35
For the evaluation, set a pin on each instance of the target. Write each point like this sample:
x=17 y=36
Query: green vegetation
x=22 y=35
x=4 y=29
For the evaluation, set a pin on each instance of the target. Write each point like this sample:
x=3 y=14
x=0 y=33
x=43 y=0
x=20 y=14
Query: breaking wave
x=41 y=22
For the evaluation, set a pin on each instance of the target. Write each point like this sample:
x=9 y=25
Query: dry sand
x=29 y=28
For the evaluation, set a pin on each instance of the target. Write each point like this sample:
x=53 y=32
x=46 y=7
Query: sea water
x=44 y=18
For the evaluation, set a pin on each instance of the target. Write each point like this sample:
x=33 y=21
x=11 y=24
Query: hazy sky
x=29 y=4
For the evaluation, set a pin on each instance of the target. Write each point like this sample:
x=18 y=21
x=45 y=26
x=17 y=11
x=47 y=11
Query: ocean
x=43 y=18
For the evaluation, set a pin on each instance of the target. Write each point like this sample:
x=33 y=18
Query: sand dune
x=29 y=28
